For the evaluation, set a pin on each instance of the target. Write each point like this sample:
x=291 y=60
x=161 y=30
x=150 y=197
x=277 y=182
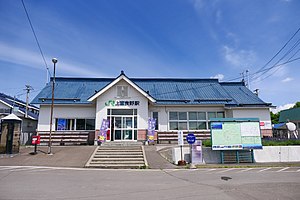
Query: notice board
x=235 y=133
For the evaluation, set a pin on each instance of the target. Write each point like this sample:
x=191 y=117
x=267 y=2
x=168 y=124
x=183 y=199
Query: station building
x=187 y=104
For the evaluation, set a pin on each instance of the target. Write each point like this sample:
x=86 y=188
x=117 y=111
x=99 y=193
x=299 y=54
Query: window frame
x=74 y=124
x=196 y=120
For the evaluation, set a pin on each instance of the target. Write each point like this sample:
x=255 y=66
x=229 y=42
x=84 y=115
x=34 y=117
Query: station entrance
x=123 y=124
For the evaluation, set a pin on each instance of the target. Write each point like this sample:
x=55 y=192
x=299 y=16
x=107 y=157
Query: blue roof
x=20 y=104
x=166 y=91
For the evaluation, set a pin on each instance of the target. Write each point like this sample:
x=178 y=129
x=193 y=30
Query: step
x=111 y=166
x=119 y=153
x=118 y=159
x=118 y=156
x=118 y=150
x=122 y=143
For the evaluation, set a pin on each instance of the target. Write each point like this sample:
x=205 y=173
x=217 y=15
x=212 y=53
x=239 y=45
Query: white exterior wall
x=64 y=111
x=163 y=112
x=133 y=95
x=262 y=113
x=269 y=154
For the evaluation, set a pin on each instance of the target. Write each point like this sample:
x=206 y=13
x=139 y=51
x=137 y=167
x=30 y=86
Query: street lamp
x=54 y=60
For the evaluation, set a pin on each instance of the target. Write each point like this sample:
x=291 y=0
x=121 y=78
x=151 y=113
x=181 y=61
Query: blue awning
x=277 y=126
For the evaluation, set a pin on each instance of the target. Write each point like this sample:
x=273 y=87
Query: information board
x=235 y=133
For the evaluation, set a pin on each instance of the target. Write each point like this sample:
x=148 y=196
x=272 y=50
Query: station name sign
x=121 y=103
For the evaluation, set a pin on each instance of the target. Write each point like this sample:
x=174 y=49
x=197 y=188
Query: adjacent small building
x=187 y=104
x=10 y=105
x=291 y=115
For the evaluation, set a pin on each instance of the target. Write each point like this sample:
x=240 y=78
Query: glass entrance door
x=123 y=124
x=122 y=128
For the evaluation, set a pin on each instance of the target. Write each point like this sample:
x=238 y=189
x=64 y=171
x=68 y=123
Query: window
x=192 y=120
x=155 y=116
x=64 y=124
x=178 y=120
x=122 y=91
x=4 y=110
x=211 y=115
x=74 y=124
x=197 y=120
x=90 y=124
x=80 y=124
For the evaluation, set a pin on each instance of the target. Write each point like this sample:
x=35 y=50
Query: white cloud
x=218 y=76
x=198 y=4
x=238 y=58
x=283 y=107
x=27 y=58
x=288 y=79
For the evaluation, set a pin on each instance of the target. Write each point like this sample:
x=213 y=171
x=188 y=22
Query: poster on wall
x=151 y=129
x=103 y=131
x=61 y=124
x=235 y=133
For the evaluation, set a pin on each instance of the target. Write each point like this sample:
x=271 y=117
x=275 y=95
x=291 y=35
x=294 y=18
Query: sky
x=153 y=38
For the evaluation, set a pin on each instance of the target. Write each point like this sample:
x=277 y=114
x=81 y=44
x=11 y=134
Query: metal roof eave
x=266 y=105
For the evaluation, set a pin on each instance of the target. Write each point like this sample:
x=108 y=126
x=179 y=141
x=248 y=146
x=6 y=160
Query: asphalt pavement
x=43 y=183
x=77 y=156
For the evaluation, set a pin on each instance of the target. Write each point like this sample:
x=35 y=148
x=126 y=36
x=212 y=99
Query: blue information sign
x=190 y=138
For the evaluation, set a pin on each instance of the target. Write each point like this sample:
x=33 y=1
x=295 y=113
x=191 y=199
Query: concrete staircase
x=118 y=157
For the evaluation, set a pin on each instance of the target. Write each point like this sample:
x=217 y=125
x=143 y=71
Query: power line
x=36 y=39
x=262 y=71
x=267 y=69
x=279 y=50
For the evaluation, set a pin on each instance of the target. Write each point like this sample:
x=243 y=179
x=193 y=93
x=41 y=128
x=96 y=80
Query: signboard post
x=197 y=157
x=235 y=134
x=180 y=143
x=191 y=139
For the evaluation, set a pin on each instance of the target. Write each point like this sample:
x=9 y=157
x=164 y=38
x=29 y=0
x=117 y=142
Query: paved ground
x=63 y=156
x=77 y=156
x=72 y=156
x=43 y=183
x=155 y=160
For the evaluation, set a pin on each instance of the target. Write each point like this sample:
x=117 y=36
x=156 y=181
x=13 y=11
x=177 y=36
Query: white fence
x=268 y=154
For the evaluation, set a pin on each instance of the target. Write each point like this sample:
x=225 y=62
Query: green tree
x=297 y=105
x=275 y=118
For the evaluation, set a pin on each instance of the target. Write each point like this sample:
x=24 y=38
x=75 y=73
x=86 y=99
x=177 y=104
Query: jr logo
x=110 y=103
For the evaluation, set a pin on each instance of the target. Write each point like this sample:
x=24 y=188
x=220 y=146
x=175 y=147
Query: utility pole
x=248 y=79
x=245 y=78
x=28 y=89
x=256 y=91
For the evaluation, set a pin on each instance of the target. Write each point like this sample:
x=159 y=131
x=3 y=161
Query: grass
x=280 y=142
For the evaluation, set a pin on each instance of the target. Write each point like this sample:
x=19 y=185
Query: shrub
x=280 y=142
x=206 y=143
